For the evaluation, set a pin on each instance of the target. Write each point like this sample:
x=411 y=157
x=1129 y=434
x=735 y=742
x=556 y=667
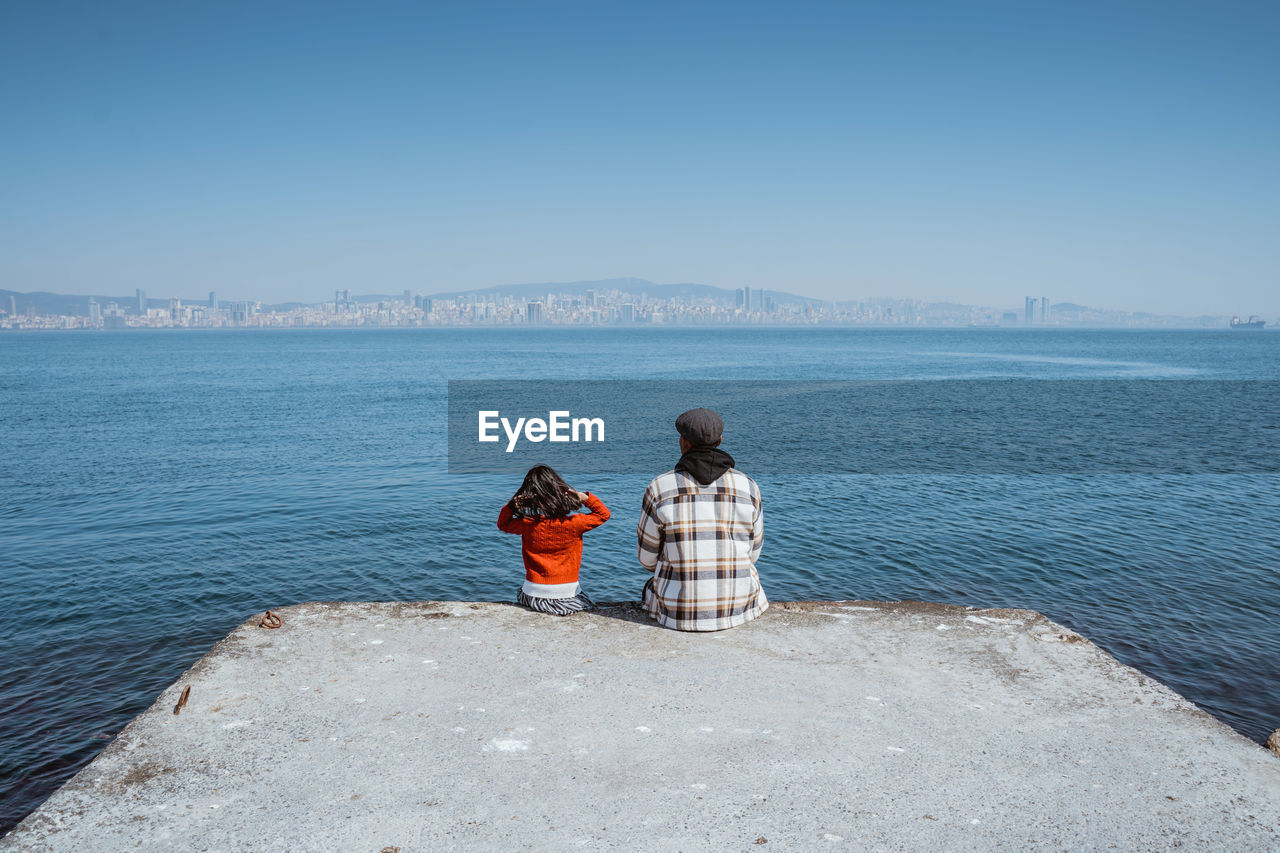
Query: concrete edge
x=168 y=698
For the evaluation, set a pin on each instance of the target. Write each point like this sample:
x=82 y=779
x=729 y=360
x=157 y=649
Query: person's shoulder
x=742 y=481
x=664 y=483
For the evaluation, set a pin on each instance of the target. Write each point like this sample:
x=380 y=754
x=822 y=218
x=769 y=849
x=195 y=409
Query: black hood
x=705 y=464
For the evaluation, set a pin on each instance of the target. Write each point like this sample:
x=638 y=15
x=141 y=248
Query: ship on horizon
x=1254 y=322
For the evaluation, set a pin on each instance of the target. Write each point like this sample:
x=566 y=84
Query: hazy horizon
x=1122 y=157
x=616 y=282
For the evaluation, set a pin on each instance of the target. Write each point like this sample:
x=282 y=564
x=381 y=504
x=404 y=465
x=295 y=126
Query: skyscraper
x=628 y=312
x=1044 y=309
x=746 y=295
x=213 y=300
x=741 y=301
x=142 y=302
x=1029 y=310
x=114 y=317
x=533 y=313
x=95 y=311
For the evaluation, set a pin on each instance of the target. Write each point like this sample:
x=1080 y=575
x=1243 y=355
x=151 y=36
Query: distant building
x=1036 y=310
x=142 y=302
x=1009 y=318
x=213 y=300
x=13 y=306
x=741 y=300
x=533 y=313
x=746 y=298
x=114 y=317
x=628 y=314
x=95 y=311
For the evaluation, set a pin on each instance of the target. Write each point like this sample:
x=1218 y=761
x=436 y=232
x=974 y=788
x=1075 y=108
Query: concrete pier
x=843 y=725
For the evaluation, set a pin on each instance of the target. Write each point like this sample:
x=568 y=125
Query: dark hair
x=544 y=493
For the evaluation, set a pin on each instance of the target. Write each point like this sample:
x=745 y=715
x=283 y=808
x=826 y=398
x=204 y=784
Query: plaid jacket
x=702 y=543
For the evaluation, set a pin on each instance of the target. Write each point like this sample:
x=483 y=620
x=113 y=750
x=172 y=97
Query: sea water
x=157 y=488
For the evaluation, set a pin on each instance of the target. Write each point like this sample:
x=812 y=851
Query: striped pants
x=556 y=606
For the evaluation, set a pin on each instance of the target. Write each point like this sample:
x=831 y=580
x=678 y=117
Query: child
x=552 y=539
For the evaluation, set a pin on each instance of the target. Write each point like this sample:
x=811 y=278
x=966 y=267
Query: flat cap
x=700 y=426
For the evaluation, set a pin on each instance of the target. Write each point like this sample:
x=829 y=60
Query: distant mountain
x=58 y=303
x=632 y=286
x=78 y=304
x=43 y=303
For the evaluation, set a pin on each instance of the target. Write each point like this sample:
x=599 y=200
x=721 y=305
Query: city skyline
x=1128 y=154
x=612 y=302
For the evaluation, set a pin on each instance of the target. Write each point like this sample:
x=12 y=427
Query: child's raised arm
x=598 y=515
x=507 y=521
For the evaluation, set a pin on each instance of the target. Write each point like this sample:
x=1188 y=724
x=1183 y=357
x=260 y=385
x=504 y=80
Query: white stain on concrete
x=504 y=744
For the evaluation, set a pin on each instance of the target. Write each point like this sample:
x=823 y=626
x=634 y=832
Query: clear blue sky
x=1120 y=154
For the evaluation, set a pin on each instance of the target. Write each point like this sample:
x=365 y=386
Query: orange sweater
x=553 y=546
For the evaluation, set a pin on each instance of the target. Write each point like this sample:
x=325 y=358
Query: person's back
x=701 y=531
x=542 y=514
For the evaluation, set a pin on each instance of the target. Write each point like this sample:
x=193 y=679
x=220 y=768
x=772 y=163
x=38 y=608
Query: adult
x=700 y=533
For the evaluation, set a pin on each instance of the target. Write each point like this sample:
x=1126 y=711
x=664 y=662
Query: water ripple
x=161 y=488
